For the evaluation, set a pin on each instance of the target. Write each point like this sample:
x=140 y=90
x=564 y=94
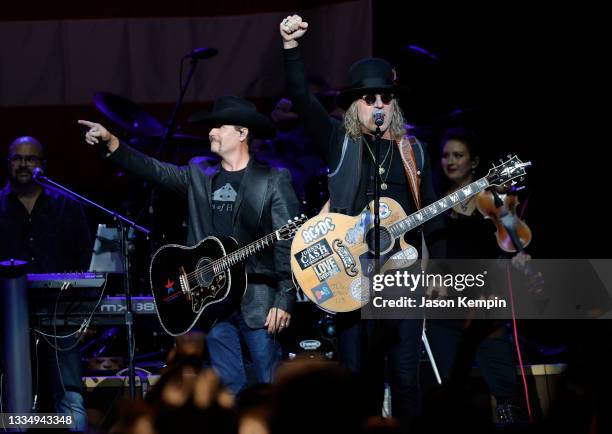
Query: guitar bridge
x=184 y=282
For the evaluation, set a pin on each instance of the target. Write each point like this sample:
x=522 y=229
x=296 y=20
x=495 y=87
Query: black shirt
x=469 y=237
x=54 y=238
x=225 y=188
x=394 y=175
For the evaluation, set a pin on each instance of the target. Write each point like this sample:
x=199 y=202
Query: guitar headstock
x=507 y=172
x=287 y=232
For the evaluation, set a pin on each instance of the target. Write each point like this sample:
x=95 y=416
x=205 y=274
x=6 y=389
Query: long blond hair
x=353 y=126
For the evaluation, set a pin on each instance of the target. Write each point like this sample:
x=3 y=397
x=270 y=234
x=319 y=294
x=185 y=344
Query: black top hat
x=367 y=76
x=233 y=110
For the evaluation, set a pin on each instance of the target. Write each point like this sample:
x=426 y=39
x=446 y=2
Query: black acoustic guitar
x=205 y=281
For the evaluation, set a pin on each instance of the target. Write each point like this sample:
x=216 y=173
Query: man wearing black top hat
x=404 y=175
x=241 y=198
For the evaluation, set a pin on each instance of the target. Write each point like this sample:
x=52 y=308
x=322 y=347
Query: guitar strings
x=237 y=253
x=255 y=245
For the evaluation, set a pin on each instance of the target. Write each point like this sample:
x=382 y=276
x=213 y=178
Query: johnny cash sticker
x=313 y=254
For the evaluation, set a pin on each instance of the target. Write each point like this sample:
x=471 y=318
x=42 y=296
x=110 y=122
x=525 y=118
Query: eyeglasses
x=370 y=98
x=27 y=159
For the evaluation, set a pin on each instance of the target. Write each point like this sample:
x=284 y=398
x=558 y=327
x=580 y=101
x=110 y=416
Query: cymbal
x=127 y=114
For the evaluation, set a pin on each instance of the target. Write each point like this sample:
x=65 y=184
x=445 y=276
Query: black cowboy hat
x=233 y=110
x=368 y=76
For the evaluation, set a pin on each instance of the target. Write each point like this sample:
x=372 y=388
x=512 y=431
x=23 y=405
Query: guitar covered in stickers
x=331 y=254
x=205 y=281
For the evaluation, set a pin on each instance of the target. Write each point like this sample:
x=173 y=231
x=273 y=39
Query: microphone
x=37 y=172
x=379 y=117
x=201 y=53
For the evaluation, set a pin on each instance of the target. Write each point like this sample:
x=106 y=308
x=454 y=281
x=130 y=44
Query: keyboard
x=66 y=280
x=110 y=311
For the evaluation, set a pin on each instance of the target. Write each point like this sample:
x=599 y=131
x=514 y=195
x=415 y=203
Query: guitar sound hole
x=204 y=276
x=386 y=240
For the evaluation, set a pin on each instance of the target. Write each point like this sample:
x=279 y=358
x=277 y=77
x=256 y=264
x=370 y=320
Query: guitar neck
x=438 y=207
x=243 y=253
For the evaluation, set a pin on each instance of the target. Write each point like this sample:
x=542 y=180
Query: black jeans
x=455 y=348
x=365 y=345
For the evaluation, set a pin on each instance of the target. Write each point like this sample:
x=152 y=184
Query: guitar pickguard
x=402 y=255
x=208 y=287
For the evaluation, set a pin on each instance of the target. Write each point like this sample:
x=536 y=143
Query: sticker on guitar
x=172 y=292
x=384 y=210
x=313 y=254
x=348 y=261
x=359 y=291
x=355 y=234
x=322 y=293
x=326 y=269
x=318 y=230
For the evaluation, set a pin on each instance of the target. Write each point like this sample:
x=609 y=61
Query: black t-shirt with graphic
x=225 y=190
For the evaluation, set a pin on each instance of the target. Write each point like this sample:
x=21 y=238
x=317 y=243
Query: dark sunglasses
x=370 y=98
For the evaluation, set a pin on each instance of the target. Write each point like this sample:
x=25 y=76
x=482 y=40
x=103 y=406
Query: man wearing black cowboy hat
x=241 y=198
x=404 y=173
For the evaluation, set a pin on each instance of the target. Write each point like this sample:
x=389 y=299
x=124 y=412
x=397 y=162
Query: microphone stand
x=168 y=132
x=370 y=341
x=171 y=125
x=377 y=138
x=124 y=225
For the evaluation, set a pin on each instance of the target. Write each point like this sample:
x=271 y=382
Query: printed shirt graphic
x=225 y=191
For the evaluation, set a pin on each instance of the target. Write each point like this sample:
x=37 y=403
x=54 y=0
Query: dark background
x=534 y=78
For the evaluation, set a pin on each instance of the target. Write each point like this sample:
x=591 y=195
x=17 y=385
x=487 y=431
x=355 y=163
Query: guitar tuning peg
x=513 y=183
x=509 y=156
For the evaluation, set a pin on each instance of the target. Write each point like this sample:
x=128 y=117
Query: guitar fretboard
x=242 y=253
x=438 y=207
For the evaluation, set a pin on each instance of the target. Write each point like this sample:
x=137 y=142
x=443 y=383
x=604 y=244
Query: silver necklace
x=381 y=169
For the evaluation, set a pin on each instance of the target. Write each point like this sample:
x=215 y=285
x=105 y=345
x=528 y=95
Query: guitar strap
x=413 y=175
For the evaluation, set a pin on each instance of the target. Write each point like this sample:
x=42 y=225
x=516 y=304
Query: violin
x=512 y=234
